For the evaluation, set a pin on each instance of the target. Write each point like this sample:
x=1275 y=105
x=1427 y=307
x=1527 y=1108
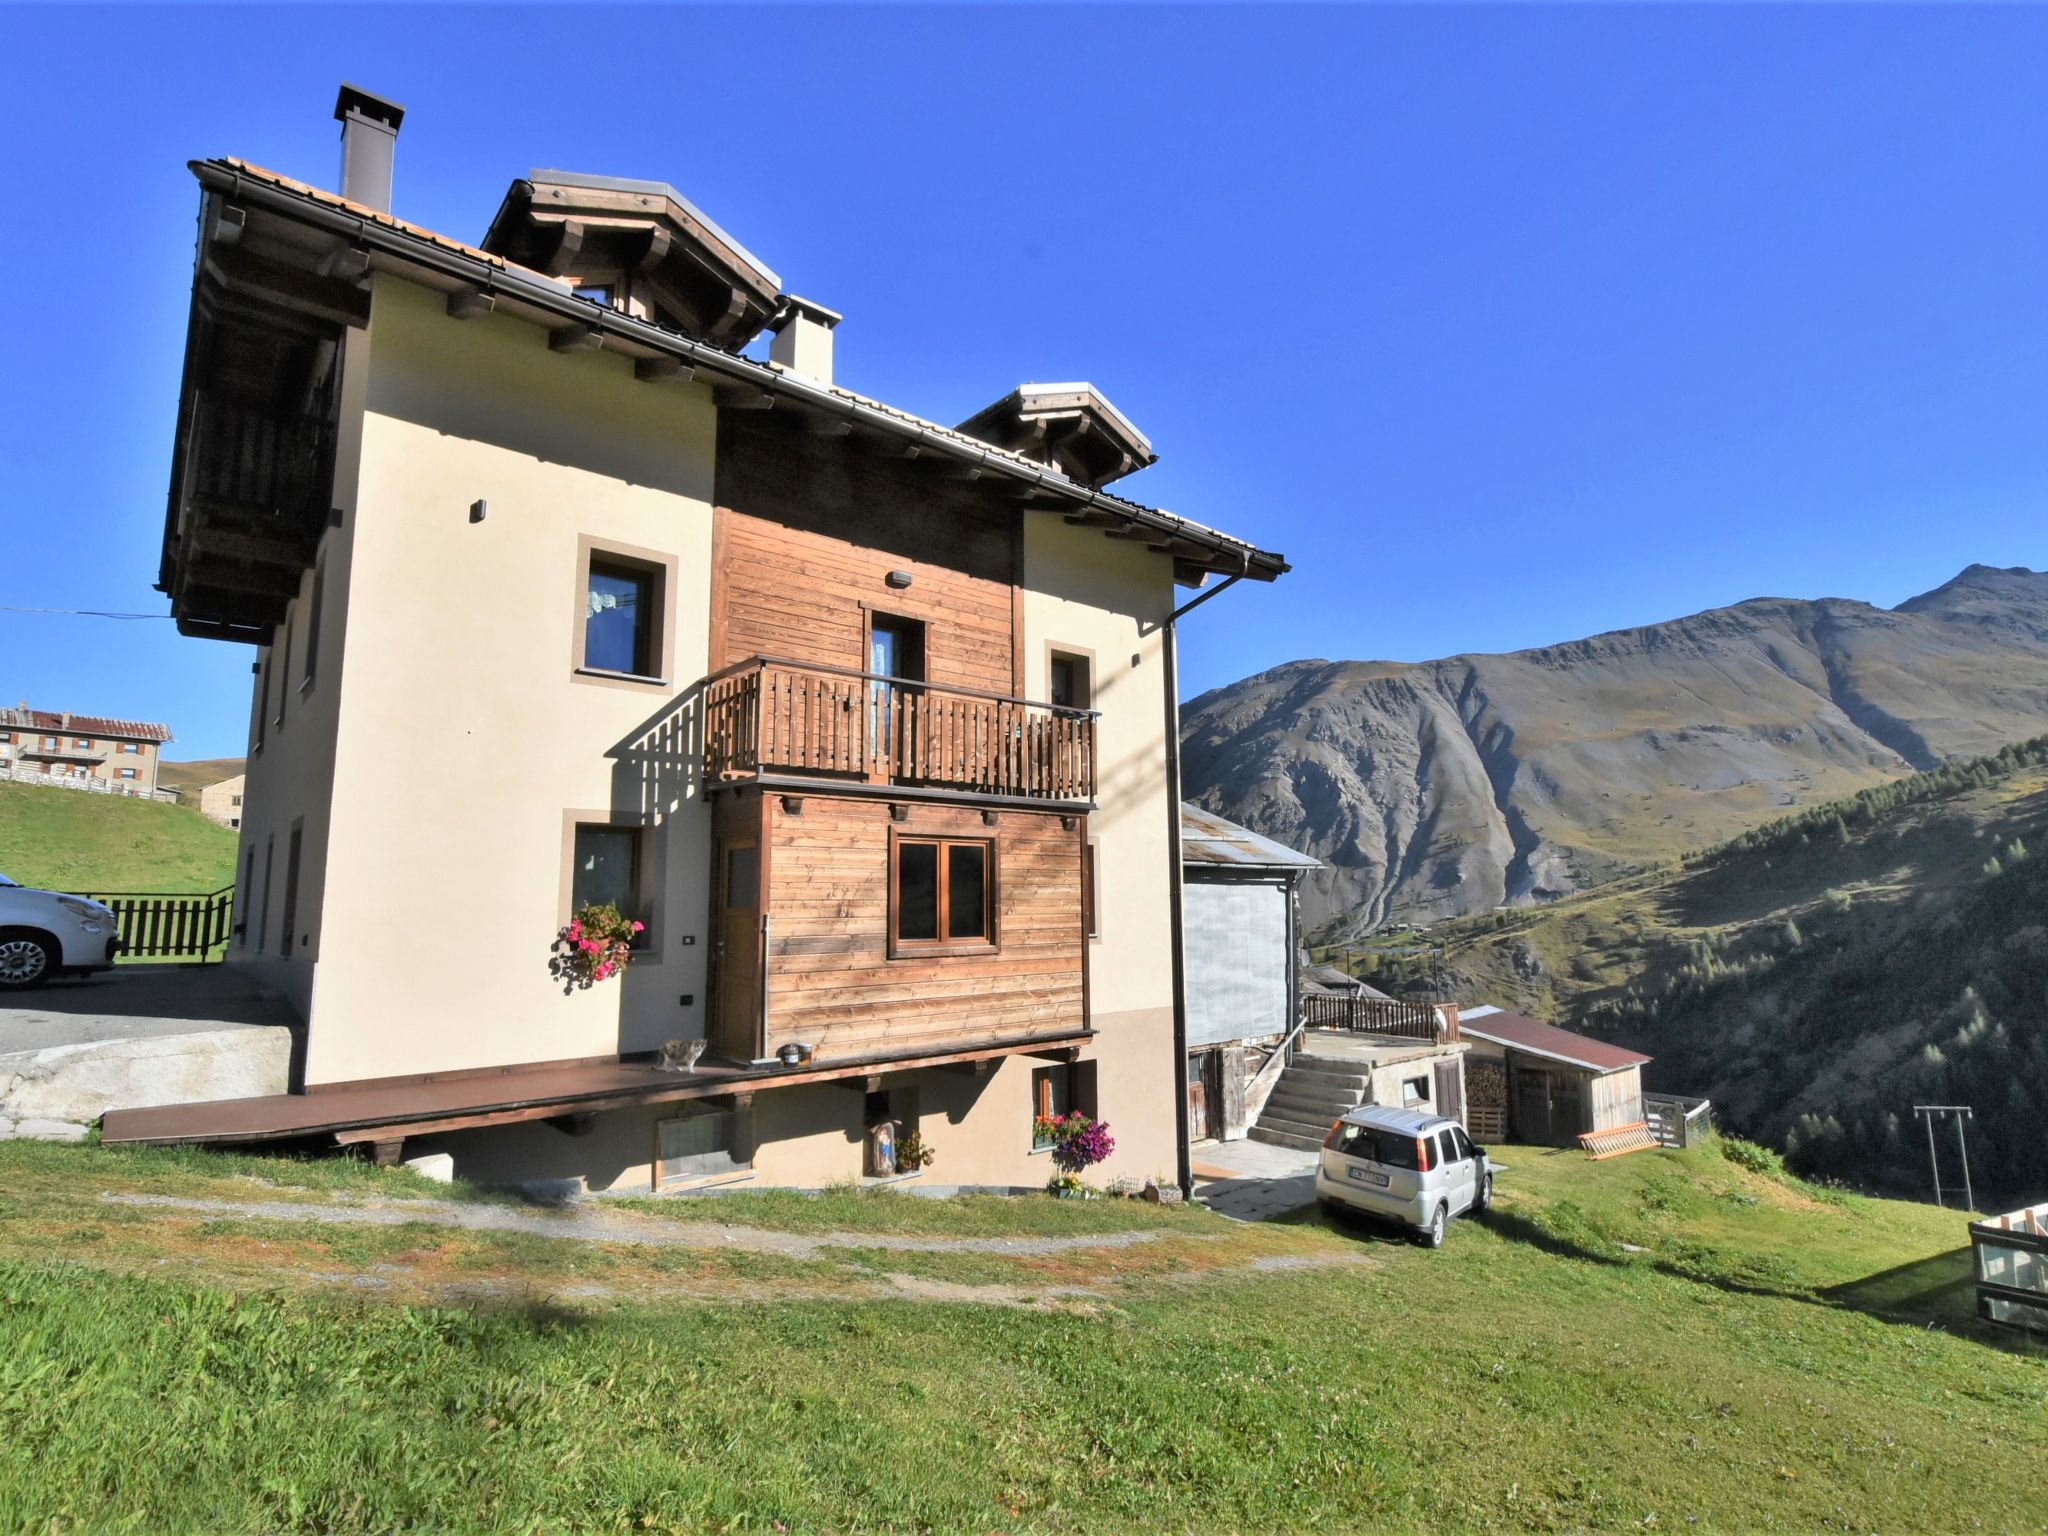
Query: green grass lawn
x=1665 y=1341
x=69 y=840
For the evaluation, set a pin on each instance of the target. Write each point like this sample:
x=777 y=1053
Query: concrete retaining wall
x=58 y=1090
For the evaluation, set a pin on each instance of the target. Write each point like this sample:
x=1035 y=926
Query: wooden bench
x=1620 y=1141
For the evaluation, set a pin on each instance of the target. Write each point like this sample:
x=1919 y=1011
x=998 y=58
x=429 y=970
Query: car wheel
x=1433 y=1234
x=26 y=958
x=1485 y=1201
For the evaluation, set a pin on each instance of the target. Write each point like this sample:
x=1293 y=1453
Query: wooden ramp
x=1620 y=1141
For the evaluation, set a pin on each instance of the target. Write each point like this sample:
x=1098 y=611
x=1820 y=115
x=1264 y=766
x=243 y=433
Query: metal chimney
x=803 y=338
x=369 y=130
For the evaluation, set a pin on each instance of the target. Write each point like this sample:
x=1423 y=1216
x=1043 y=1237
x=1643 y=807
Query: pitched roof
x=1539 y=1039
x=1207 y=840
x=1221 y=552
x=26 y=719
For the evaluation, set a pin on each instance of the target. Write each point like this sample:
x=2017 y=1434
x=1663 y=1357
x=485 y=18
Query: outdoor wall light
x=898 y=579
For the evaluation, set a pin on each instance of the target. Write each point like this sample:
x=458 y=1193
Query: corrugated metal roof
x=1539 y=1039
x=54 y=722
x=1207 y=840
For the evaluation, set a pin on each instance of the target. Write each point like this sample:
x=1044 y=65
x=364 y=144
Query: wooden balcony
x=1379 y=1016
x=767 y=715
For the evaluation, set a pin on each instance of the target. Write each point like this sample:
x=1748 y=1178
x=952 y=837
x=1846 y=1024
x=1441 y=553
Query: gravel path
x=600 y=1226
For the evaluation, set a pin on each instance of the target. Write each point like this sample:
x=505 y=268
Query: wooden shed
x=1532 y=1082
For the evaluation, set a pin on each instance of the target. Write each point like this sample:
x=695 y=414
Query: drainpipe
x=1171 y=652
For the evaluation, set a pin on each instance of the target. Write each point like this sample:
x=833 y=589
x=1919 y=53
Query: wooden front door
x=1567 y=1109
x=736 y=1014
x=1198 y=1096
x=1450 y=1091
x=1532 y=1106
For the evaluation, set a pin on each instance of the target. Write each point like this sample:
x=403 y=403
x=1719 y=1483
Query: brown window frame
x=1082 y=658
x=912 y=949
x=648 y=874
x=1080 y=1081
x=1091 y=889
x=660 y=569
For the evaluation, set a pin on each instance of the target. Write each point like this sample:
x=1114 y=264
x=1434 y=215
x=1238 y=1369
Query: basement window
x=941 y=895
x=1414 y=1090
x=703 y=1147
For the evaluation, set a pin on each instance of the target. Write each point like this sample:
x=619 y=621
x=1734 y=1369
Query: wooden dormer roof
x=1072 y=427
x=701 y=280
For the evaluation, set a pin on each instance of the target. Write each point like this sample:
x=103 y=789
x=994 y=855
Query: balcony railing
x=768 y=715
x=1377 y=1016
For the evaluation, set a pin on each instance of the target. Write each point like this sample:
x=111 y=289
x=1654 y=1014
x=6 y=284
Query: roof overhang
x=284 y=271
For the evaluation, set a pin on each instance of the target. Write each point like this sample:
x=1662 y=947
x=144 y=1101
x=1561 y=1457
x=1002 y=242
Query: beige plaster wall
x=1109 y=598
x=979 y=1130
x=465 y=734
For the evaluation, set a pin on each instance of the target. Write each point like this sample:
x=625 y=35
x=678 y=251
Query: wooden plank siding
x=831 y=982
x=807 y=530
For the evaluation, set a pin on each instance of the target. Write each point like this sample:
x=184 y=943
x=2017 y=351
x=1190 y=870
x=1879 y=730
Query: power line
x=81 y=613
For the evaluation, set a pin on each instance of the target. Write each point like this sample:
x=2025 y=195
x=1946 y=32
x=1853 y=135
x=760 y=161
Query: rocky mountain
x=1438 y=788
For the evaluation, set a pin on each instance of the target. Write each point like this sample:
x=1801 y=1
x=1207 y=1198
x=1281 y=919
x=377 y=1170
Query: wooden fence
x=86 y=782
x=1677 y=1121
x=172 y=925
x=1376 y=1016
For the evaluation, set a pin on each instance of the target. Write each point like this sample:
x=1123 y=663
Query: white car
x=1404 y=1165
x=46 y=933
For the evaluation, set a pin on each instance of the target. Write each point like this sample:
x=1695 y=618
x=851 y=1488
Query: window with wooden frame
x=607 y=866
x=941 y=895
x=284 y=672
x=1057 y=1092
x=312 y=662
x=1070 y=680
x=623 y=635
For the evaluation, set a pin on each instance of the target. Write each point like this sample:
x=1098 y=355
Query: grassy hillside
x=189 y=778
x=1821 y=975
x=68 y=840
x=1668 y=1341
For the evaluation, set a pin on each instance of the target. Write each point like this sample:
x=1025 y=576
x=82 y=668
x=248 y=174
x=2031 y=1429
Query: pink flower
x=603 y=970
x=575 y=929
x=639 y=927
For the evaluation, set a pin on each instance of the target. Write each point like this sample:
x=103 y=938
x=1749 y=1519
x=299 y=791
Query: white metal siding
x=1236 y=960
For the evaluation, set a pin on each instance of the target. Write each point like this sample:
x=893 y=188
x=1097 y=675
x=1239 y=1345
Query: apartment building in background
x=57 y=744
x=221 y=800
x=868 y=719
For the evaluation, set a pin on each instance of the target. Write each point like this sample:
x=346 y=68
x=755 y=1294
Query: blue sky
x=1506 y=325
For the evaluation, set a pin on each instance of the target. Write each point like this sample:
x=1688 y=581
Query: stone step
x=1286 y=1139
x=1311 y=1105
x=1293 y=1126
x=1332 y=1074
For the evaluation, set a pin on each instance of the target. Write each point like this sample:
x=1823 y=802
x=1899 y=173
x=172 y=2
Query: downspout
x=1183 y=1163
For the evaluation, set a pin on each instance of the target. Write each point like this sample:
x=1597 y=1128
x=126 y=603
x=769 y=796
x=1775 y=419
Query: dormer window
x=604 y=234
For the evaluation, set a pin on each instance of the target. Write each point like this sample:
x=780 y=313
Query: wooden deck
x=386 y=1110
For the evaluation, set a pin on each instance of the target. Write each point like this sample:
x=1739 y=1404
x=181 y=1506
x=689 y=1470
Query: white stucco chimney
x=803 y=338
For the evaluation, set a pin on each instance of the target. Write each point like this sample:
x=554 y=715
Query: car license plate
x=1368 y=1176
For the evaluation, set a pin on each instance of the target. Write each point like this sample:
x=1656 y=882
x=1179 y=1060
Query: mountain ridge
x=1484 y=779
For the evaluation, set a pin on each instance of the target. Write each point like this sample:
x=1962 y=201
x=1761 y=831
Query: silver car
x=1406 y=1166
x=47 y=933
